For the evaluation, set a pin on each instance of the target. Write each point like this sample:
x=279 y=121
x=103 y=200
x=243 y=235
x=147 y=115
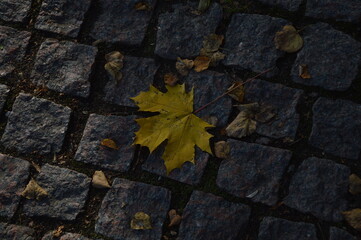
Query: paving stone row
x=14 y=10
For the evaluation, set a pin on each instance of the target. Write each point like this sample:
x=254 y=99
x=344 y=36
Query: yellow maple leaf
x=175 y=123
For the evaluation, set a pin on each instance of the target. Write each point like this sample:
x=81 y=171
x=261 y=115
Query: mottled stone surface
x=15 y=232
x=340 y=10
x=138 y=74
x=13 y=44
x=120 y=130
x=4 y=92
x=290 y=5
x=253 y=169
x=336 y=127
x=181 y=32
x=272 y=228
x=14 y=174
x=283 y=100
x=64 y=66
x=65 y=236
x=67 y=192
x=338 y=234
x=319 y=187
x=125 y=199
x=14 y=10
x=249 y=42
x=36 y=125
x=62 y=16
x=207 y=86
x=119 y=21
x=207 y=216
x=332 y=58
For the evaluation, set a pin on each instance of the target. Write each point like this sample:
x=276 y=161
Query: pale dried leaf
x=114 y=65
x=58 y=232
x=141 y=221
x=355 y=184
x=170 y=79
x=221 y=149
x=201 y=63
x=353 y=218
x=288 y=39
x=99 y=180
x=238 y=92
x=109 y=143
x=265 y=113
x=115 y=55
x=303 y=71
x=242 y=126
x=211 y=43
x=216 y=57
x=34 y=191
x=183 y=66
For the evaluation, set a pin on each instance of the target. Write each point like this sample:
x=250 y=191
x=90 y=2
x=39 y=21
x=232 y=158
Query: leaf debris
x=288 y=39
x=141 y=221
x=34 y=191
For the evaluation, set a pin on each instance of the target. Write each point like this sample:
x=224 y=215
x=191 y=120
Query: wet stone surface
x=290 y=5
x=120 y=130
x=138 y=75
x=62 y=16
x=340 y=10
x=119 y=21
x=67 y=192
x=64 y=66
x=207 y=216
x=319 y=187
x=15 y=232
x=125 y=199
x=66 y=236
x=36 y=125
x=253 y=171
x=14 y=174
x=283 y=101
x=4 y=92
x=14 y=10
x=338 y=234
x=181 y=32
x=249 y=42
x=332 y=58
x=337 y=127
x=13 y=44
x=272 y=228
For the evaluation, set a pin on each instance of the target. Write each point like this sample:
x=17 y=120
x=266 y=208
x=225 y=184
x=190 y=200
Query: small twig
x=230 y=90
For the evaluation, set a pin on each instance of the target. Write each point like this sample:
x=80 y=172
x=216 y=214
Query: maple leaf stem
x=230 y=90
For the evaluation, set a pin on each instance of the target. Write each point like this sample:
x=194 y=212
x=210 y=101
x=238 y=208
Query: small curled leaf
x=109 y=143
x=141 y=221
x=288 y=39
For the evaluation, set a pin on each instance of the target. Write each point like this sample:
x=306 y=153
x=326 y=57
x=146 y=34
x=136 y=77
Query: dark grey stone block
x=4 y=92
x=14 y=10
x=290 y=5
x=253 y=170
x=138 y=75
x=67 y=192
x=36 y=125
x=283 y=100
x=13 y=44
x=119 y=21
x=332 y=58
x=65 y=236
x=120 y=130
x=15 y=232
x=249 y=42
x=64 y=66
x=339 y=234
x=14 y=174
x=181 y=32
x=340 y=10
x=319 y=187
x=207 y=216
x=337 y=127
x=62 y=16
x=272 y=228
x=125 y=199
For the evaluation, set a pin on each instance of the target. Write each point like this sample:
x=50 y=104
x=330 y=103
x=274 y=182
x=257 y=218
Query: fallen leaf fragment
x=141 y=221
x=244 y=124
x=142 y=6
x=114 y=65
x=170 y=79
x=211 y=44
x=238 y=93
x=203 y=5
x=216 y=57
x=183 y=66
x=36 y=166
x=288 y=39
x=303 y=71
x=355 y=184
x=353 y=218
x=265 y=113
x=221 y=149
x=58 y=232
x=174 y=218
x=34 y=191
x=172 y=213
x=109 y=143
x=99 y=180
x=201 y=63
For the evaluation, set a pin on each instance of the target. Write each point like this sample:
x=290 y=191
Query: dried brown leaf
x=115 y=55
x=183 y=66
x=175 y=220
x=211 y=44
x=170 y=79
x=216 y=57
x=238 y=93
x=109 y=143
x=303 y=71
x=58 y=232
x=172 y=213
x=36 y=166
x=141 y=221
x=99 y=180
x=114 y=65
x=221 y=149
x=355 y=184
x=201 y=63
x=288 y=39
x=353 y=218
x=142 y=6
x=34 y=191
x=242 y=126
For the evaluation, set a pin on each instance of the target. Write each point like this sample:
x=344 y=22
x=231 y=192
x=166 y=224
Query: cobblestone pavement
x=287 y=181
